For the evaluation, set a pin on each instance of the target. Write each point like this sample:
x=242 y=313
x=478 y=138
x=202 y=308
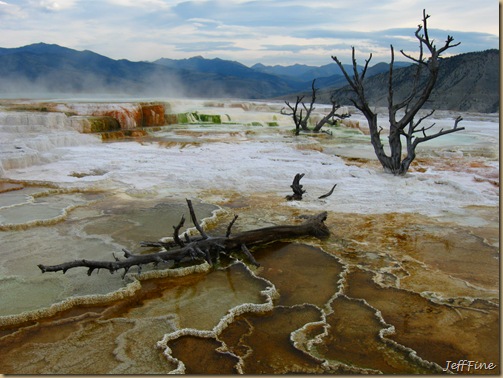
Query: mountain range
x=46 y=69
x=467 y=82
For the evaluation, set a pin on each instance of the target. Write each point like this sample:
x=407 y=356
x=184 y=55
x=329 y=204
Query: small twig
x=177 y=228
x=229 y=227
x=457 y=120
x=160 y=244
x=195 y=221
x=328 y=194
x=205 y=253
x=248 y=254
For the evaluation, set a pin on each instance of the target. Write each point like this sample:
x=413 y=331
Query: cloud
x=56 y=5
x=249 y=31
x=10 y=10
x=197 y=47
x=151 y=4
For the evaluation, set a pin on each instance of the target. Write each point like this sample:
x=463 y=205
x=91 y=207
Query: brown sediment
x=25 y=184
x=9 y=186
x=201 y=356
x=93 y=172
x=156 y=308
x=376 y=274
x=87 y=348
x=463 y=255
x=179 y=144
x=30 y=106
x=123 y=134
x=300 y=273
x=357 y=343
x=237 y=201
x=438 y=333
x=309 y=147
x=266 y=343
x=397 y=246
x=33 y=327
x=361 y=162
x=422 y=253
x=478 y=167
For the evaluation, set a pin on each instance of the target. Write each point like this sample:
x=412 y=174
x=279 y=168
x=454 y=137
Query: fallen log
x=202 y=247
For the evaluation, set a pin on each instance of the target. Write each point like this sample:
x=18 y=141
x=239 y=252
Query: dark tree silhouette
x=200 y=248
x=406 y=126
x=301 y=119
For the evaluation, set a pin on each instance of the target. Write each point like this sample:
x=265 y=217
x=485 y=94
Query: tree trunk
x=412 y=104
x=201 y=248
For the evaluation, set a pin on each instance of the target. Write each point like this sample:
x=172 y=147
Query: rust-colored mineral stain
x=301 y=273
x=267 y=343
x=203 y=302
x=232 y=336
x=466 y=256
x=153 y=114
x=87 y=349
x=438 y=333
x=357 y=342
x=200 y=356
x=9 y=186
x=460 y=254
x=392 y=260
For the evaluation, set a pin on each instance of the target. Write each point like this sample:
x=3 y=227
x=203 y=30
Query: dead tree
x=201 y=248
x=301 y=119
x=329 y=117
x=406 y=126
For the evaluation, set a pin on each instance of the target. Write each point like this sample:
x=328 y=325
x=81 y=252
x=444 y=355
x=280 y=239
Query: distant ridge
x=308 y=73
x=467 y=82
x=43 y=69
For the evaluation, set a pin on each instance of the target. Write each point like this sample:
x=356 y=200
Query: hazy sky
x=267 y=31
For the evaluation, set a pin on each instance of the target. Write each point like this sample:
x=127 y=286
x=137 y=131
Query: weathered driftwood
x=202 y=247
x=298 y=191
x=297 y=188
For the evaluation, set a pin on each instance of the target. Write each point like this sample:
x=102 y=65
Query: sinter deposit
x=407 y=281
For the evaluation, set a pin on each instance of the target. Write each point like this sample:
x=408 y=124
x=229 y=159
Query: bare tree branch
x=329 y=193
x=440 y=133
x=177 y=228
x=311 y=106
x=394 y=161
x=297 y=119
x=195 y=221
x=228 y=233
x=203 y=247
